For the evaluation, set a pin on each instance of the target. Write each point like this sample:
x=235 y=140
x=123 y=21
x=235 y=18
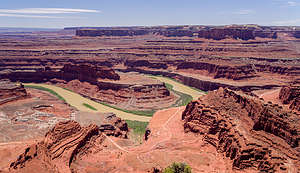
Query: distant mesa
x=243 y=32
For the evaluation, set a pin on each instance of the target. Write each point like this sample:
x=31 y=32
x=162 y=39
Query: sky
x=72 y=13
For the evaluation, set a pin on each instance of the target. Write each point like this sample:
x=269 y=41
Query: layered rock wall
x=220 y=71
x=291 y=95
x=88 y=73
x=251 y=133
x=204 y=85
x=66 y=142
x=10 y=91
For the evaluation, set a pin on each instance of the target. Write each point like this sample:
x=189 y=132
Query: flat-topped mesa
x=10 y=91
x=291 y=95
x=251 y=133
x=243 y=32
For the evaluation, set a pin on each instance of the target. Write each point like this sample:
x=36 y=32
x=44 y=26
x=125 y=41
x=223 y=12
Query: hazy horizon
x=95 y=13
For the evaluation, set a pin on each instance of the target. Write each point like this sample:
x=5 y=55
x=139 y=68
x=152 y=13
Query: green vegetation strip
x=89 y=106
x=46 y=89
x=143 y=113
x=184 y=98
x=196 y=89
x=138 y=127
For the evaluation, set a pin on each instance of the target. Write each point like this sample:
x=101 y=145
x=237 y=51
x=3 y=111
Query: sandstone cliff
x=291 y=95
x=251 y=133
x=83 y=72
x=10 y=91
x=220 y=71
x=64 y=143
x=86 y=72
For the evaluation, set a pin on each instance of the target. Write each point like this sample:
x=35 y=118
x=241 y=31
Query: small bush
x=178 y=168
x=137 y=126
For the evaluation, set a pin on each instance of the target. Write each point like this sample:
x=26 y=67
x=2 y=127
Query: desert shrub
x=178 y=168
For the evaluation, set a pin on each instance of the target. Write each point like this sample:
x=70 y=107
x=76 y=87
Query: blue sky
x=66 y=13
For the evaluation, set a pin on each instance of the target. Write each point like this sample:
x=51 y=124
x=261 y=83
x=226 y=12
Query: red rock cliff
x=249 y=132
x=291 y=95
x=11 y=91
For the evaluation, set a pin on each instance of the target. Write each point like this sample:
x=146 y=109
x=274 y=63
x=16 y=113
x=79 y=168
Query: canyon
x=223 y=130
x=101 y=84
x=218 y=98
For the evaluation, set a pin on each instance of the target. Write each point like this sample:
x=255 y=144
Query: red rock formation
x=145 y=63
x=249 y=132
x=11 y=91
x=291 y=95
x=86 y=72
x=60 y=147
x=114 y=126
x=220 y=71
x=66 y=142
x=83 y=72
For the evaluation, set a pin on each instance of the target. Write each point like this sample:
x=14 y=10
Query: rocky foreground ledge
x=66 y=142
x=253 y=134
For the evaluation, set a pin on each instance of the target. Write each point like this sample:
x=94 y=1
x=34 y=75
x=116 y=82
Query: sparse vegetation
x=196 y=89
x=46 y=89
x=178 y=168
x=143 y=113
x=184 y=98
x=138 y=129
x=89 y=106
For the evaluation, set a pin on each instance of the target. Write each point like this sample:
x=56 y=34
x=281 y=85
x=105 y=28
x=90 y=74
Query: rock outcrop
x=291 y=95
x=83 y=72
x=220 y=71
x=251 y=133
x=60 y=147
x=114 y=126
x=10 y=91
x=86 y=72
x=66 y=142
x=146 y=63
